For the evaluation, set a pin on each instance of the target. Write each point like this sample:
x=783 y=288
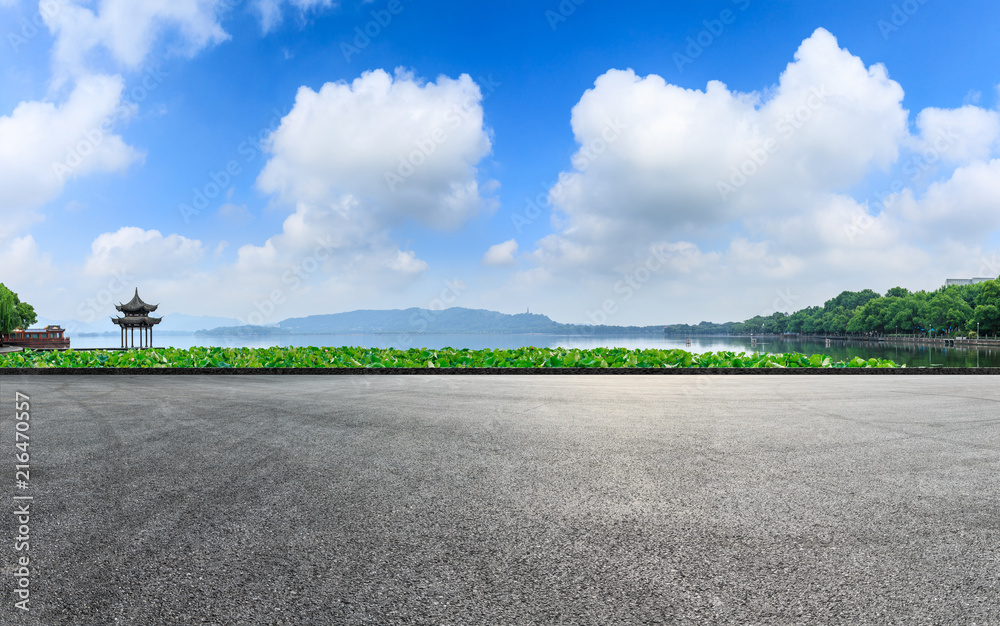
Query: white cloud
x=963 y=207
x=409 y=149
x=21 y=258
x=43 y=145
x=127 y=30
x=325 y=255
x=270 y=11
x=957 y=135
x=501 y=254
x=146 y=253
x=329 y=159
x=745 y=195
x=407 y=263
x=829 y=121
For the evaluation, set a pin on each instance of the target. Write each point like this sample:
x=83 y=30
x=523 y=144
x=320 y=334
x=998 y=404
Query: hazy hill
x=190 y=323
x=412 y=320
x=453 y=320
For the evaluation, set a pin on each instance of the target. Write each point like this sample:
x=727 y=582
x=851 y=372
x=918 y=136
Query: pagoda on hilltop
x=137 y=317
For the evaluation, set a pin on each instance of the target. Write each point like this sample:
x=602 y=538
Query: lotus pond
x=354 y=357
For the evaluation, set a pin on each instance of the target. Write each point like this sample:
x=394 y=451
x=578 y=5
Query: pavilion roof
x=136 y=320
x=136 y=305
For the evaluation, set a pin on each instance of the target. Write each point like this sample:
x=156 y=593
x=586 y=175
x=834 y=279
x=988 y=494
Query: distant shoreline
x=195 y=333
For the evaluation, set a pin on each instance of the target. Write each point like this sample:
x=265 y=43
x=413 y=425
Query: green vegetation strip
x=442 y=358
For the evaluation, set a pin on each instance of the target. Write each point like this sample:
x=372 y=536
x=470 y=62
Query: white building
x=965 y=281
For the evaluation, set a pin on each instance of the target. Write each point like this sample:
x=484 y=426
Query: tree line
x=13 y=312
x=954 y=310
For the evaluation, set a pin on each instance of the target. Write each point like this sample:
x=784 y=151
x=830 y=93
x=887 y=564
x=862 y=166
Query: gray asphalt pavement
x=505 y=500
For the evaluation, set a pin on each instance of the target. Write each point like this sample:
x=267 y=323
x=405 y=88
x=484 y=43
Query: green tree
x=20 y=314
x=870 y=317
x=775 y=324
x=989 y=293
x=988 y=318
x=850 y=300
x=987 y=311
x=8 y=311
x=946 y=310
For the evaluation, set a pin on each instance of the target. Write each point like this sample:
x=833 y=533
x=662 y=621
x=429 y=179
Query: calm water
x=910 y=354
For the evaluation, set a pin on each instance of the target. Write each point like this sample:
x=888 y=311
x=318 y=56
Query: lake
x=913 y=355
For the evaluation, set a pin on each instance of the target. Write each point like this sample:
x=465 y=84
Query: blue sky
x=717 y=160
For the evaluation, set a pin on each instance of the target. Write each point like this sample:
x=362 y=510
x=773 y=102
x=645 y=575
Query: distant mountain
x=75 y=326
x=453 y=320
x=243 y=331
x=414 y=320
x=191 y=323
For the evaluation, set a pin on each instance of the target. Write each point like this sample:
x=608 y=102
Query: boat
x=48 y=338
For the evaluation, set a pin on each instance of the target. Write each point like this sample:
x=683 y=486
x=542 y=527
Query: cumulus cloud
x=957 y=135
x=145 y=252
x=329 y=159
x=43 y=145
x=964 y=207
x=501 y=254
x=752 y=192
x=643 y=141
x=325 y=254
x=408 y=148
x=407 y=263
x=22 y=258
x=127 y=31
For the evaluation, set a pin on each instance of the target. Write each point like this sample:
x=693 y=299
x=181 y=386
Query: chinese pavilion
x=137 y=317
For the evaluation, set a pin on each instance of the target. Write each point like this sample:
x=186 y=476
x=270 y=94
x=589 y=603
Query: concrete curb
x=515 y=371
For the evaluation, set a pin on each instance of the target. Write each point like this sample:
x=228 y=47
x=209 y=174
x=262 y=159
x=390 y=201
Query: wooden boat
x=50 y=337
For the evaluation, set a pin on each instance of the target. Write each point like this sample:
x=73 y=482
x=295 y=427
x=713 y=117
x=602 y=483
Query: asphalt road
x=506 y=500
